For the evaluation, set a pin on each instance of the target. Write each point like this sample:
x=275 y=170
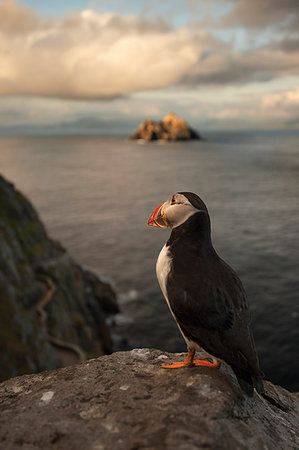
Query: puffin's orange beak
x=158 y=218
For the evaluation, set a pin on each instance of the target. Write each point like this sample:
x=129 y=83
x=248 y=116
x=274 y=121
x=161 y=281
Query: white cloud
x=89 y=55
x=285 y=99
x=93 y=55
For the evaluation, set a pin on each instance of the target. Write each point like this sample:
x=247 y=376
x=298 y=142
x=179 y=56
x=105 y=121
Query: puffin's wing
x=216 y=316
x=208 y=304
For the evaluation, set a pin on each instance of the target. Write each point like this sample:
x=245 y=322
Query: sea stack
x=170 y=128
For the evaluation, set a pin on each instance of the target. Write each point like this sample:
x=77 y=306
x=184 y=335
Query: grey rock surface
x=126 y=401
x=52 y=311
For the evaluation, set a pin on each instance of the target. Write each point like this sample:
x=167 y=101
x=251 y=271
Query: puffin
x=204 y=294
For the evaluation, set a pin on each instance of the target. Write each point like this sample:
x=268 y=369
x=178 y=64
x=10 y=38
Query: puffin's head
x=176 y=210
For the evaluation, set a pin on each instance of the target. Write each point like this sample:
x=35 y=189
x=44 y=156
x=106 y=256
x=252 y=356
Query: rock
x=126 y=401
x=171 y=128
x=52 y=311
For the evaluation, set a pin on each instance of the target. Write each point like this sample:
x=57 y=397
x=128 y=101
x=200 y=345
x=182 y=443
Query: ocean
x=95 y=194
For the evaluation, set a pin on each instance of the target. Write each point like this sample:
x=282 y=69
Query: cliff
x=171 y=128
x=52 y=311
x=126 y=401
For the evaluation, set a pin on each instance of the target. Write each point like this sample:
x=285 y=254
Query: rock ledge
x=126 y=401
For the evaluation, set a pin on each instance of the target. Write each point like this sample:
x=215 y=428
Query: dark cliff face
x=126 y=401
x=52 y=311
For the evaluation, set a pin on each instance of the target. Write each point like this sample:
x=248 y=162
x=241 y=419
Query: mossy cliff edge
x=52 y=311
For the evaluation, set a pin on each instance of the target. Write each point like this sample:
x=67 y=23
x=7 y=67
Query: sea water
x=95 y=195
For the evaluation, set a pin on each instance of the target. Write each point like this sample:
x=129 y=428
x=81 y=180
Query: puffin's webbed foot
x=190 y=362
x=204 y=362
x=187 y=363
x=177 y=365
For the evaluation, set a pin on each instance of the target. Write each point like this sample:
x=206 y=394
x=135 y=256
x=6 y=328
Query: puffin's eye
x=173 y=201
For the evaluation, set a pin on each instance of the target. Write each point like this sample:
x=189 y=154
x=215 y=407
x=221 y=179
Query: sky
x=105 y=66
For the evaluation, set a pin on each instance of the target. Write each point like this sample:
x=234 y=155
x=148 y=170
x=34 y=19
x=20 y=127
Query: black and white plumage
x=204 y=294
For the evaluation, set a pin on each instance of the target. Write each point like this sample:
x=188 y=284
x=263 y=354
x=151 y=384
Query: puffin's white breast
x=163 y=267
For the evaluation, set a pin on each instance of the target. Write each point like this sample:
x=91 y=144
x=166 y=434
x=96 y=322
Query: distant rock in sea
x=52 y=311
x=171 y=128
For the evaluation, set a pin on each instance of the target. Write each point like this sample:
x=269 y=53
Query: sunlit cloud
x=93 y=55
x=282 y=100
x=217 y=63
x=89 y=55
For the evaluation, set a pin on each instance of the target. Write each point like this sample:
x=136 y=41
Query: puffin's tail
x=248 y=381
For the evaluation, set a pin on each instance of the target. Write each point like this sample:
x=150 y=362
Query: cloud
x=89 y=55
x=282 y=100
x=263 y=13
x=93 y=55
x=287 y=45
x=258 y=65
x=275 y=110
x=203 y=109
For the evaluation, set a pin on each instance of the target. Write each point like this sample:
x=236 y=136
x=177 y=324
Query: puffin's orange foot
x=202 y=362
x=177 y=365
x=187 y=363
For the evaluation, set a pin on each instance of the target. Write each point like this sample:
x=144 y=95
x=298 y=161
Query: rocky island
x=52 y=311
x=171 y=128
x=126 y=401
